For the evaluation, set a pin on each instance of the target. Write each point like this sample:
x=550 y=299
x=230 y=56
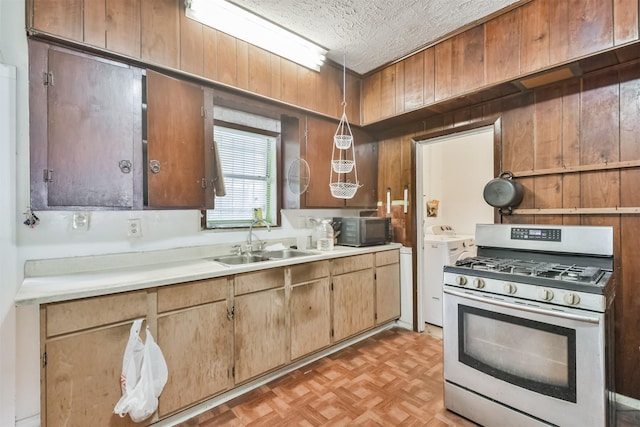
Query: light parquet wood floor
x=391 y=379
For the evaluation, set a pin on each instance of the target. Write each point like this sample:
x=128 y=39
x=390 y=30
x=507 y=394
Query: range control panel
x=542 y=234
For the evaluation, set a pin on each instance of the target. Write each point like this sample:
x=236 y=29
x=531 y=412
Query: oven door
x=540 y=364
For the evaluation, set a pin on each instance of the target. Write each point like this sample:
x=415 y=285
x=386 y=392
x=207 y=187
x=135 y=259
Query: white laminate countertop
x=49 y=281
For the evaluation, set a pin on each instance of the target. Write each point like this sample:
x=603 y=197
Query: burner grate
x=560 y=272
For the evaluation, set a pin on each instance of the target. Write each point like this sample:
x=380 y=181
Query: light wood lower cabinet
x=353 y=295
x=259 y=321
x=387 y=286
x=195 y=335
x=251 y=323
x=82 y=346
x=310 y=308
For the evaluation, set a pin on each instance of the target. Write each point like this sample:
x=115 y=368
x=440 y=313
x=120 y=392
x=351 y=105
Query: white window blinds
x=248 y=163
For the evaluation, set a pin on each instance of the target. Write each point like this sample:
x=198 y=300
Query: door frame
x=416 y=203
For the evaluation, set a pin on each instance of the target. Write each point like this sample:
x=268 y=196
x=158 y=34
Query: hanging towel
x=218 y=176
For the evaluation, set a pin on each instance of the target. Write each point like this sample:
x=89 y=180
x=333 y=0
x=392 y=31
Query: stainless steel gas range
x=528 y=339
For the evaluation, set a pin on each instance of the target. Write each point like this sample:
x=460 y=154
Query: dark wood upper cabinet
x=366 y=150
x=414 y=82
x=86 y=121
x=371 y=93
x=176 y=175
x=114 y=25
x=85 y=133
x=318 y=152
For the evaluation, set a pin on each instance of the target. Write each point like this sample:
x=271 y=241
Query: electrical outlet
x=81 y=221
x=135 y=228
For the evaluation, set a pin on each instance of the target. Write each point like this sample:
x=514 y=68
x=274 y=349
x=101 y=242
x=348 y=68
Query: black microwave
x=363 y=231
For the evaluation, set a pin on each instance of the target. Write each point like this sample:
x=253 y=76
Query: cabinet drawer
x=387 y=257
x=87 y=313
x=352 y=263
x=258 y=281
x=310 y=271
x=191 y=294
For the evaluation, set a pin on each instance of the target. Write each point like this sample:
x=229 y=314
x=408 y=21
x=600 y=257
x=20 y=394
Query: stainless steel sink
x=287 y=253
x=260 y=256
x=240 y=259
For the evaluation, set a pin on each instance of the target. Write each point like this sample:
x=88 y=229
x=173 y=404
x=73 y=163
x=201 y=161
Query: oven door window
x=538 y=356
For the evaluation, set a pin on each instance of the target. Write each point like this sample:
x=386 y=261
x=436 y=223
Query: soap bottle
x=325 y=236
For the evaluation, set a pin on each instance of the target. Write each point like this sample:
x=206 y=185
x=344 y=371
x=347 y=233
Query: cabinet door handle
x=125 y=166
x=154 y=166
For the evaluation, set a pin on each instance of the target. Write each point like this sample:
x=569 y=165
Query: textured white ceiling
x=372 y=32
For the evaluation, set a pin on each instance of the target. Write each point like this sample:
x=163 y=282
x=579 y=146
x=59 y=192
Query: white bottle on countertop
x=325 y=236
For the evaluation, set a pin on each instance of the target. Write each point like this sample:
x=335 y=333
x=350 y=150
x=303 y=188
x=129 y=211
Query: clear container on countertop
x=325 y=236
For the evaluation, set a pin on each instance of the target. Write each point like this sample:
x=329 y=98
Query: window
x=249 y=165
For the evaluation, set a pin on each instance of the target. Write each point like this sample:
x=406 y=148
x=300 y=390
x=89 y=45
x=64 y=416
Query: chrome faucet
x=255 y=221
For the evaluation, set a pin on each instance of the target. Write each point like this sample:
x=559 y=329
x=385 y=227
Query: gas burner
x=560 y=272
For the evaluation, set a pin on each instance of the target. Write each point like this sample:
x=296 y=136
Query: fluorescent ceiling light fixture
x=244 y=25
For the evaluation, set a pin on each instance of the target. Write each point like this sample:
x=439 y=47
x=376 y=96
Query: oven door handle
x=535 y=310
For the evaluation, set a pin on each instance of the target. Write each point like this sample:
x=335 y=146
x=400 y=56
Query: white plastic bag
x=144 y=374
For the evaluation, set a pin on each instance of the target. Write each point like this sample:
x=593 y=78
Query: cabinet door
x=84 y=342
x=82 y=378
x=90 y=146
x=353 y=303
x=310 y=317
x=197 y=347
x=371 y=90
x=175 y=142
x=195 y=336
x=367 y=167
x=317 y=152
x=260 y=334
x=387 y=292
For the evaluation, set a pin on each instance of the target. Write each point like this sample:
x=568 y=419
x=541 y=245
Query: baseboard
x=404 y=325
x=33 y=421
x=627 y=401
x=240 y=390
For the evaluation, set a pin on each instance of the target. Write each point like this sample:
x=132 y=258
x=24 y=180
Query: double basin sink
x=261 y=256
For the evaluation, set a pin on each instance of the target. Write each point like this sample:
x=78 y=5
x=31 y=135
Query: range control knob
x=461 y=281
x=510 y=288
x=545 y=294
x=571 y=298
x=478 y=283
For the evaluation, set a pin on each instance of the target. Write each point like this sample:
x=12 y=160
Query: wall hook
x=31 y=219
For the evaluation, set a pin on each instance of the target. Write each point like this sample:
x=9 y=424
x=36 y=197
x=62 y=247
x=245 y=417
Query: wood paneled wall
x=158 y=33
x=588 y=121
x=536 y=36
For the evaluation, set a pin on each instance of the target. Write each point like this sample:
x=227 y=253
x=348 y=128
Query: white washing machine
x=441 y=247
